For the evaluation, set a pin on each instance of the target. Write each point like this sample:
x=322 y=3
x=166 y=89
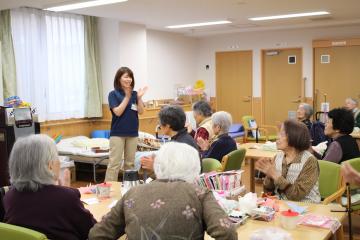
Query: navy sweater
x=220 y=147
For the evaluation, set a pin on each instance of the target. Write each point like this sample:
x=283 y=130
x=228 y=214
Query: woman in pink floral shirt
x=170 y=207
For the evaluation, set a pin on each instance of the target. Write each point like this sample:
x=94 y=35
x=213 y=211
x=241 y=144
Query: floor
x=85 y=179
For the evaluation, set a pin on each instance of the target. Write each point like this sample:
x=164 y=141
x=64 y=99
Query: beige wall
x=256 y=41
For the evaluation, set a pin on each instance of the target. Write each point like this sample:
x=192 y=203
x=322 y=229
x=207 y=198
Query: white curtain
x=50 y=62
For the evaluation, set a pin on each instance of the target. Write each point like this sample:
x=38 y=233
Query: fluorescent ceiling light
x=295 y=15
x=199 y=24
x=86 y=4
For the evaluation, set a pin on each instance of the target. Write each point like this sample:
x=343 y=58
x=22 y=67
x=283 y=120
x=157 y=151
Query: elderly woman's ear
x=65 y=178
x=62 y=179
x=54 y=167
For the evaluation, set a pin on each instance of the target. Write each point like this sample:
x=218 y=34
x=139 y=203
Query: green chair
x=210 y=164
x=233 y=160
x=12 y=232
x=352 y=199
x=263 y=130
x=331 y=186
x=355 y=190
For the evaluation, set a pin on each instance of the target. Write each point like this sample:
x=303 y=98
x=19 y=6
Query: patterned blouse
x=165 y=210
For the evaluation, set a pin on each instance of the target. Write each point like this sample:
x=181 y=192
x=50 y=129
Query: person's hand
x=142 y=91
x=147 y=162
x=128 y=92
x=188 y=127
x=65 y=178
x=267 y=166
x=203 y=144
x=350 y=174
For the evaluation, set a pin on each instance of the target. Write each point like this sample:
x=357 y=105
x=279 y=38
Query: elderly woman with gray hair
x=222 y=143
x=171 y=207
x=202 y=113
x=304 y=113
x=352 y=105
x=35 y=201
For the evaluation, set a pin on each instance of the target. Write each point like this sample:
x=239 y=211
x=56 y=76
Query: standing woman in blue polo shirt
x=125 y=105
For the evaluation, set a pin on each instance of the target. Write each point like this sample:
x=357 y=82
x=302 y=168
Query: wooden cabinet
x=83 y=127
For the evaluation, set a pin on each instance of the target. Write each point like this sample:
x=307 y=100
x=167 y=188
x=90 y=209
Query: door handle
x=298 y=100
x=247 y=99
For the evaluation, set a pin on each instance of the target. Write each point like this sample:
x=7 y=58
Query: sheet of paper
x=91 y=201
x=111 y=205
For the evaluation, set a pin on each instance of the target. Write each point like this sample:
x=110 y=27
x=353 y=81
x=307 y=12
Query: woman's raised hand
x=65 y=178
x=267 y=166
x=142 y=91
x=128 y=91
x=203 y=144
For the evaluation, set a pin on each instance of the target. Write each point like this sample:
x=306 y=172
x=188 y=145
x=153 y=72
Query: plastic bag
x=270 y=233
x=248 y=202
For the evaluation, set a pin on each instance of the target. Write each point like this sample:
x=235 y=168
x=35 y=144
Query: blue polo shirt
x=127 y=125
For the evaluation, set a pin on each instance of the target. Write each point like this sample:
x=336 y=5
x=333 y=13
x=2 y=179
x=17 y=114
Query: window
x=50 y=62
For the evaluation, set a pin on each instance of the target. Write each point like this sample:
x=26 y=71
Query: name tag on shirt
x=134 y=107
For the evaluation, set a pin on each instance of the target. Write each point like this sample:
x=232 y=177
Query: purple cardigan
x=55 y=211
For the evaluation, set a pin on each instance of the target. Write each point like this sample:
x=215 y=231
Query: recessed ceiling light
x=86 y=4
x=295 y=15
x=199 y=24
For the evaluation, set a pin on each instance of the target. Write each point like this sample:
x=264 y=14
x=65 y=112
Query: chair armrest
x=335 y=196
x=224 y=162
x=261 y=129
x=275 y=128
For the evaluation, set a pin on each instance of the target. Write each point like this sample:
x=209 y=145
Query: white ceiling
x=156 y=14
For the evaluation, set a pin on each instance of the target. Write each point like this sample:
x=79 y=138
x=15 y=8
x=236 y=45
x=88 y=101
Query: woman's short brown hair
x=118 y=75
x=297 y=134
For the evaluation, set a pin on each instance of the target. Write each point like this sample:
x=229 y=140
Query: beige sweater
x=164 y=210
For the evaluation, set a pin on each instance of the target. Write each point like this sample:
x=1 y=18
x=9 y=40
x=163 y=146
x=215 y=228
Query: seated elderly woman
x=294 y=173
x=202 y=114
x=171 y=207
x=172 y=123
x=304 y=113
x=34 y=201
x=316 y=129
x=222 y=143
x=338 y=127
x=352 y=105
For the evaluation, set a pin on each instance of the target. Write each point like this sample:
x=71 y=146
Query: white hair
x=352 y=100
x=223 y=120
x=29 y=162
x=308 y=110
x=177 y=160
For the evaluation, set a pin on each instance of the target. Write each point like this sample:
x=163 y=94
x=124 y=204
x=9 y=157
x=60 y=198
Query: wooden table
x=300 y=232
x=244 y=231
x=101 y=208
x=253 y=153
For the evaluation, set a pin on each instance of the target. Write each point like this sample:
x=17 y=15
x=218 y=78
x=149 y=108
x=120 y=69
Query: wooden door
x=234 y=83
x=339 y=78
x=282 y=83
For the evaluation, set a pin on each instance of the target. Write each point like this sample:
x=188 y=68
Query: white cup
x=289 y=219
x=103 y=190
